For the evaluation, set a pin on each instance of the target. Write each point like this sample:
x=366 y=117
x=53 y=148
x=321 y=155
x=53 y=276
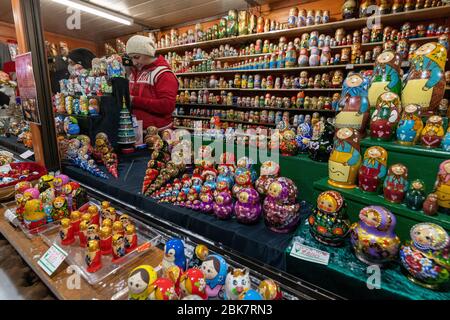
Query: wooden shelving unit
x=205 y=105
x=263 y=90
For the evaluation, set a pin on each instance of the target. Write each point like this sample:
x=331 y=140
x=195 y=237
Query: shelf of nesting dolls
x=224 y=71
x=147 y=238
x=262 y=90
x=406 y=218
x=197 y=105
x=411 y=16
x=228 y=120
x=350 y=275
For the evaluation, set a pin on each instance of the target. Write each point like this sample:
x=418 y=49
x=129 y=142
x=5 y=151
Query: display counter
x=11 y=144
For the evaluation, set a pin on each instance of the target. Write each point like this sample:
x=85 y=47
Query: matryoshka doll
x=60 y=209
x=430 y=206
x=270 y=290
x=174 y=254
x=215 y=270
x=426 y=256
x=75 y=220
x=288 y=143
x=373 y=169
x=66 y=232
x=247 y=207
x=345 y=159
x=193 y=282
x=117 y=228
x=415 y=196
x=139 y=281
x=105 y=240
x=425 y=82
x=93 y=211
x=355 y=113
x=118 y=246
x=410 y=126
x=104 y=206
x=92 y=232
x=111 y=214
x=385 y=117
x=82 y=235
x=236 y=282
x=223 y=205
x=93 y=257
x=303 y=137
x=131 y=240
x=270 y=170
x=34 y=216
x=373 y=238
x=433 y=132
x=125 y=219
x=442 y=187
x=163 y=289
x=396 y=183
x=329 y=223
x=200 y=253
x=280 y=208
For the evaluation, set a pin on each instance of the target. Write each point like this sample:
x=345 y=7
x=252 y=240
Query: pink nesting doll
x=223 y=206
x=248 y=207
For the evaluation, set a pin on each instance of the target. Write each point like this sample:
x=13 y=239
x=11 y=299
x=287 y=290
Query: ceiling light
x=96 y=10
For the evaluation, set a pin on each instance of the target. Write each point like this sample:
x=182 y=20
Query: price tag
x=52 y=259
x=310 y=254
x=11 y=216
x=27 y=154
x=349 y=66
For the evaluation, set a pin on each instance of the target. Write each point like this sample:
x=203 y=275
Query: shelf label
x=52 y=259
x=27 y=154
x=310 y=254
x=349 y=66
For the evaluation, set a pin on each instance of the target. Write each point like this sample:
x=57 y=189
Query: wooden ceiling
x=148 y=14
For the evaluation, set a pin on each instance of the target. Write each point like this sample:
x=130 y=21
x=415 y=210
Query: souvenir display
x=415 y=196
x=329 y=223
x=442 y=187
x=247 y=207
x=433 y=132
x=355 y=112
x=193 y=282
x=236 y=282
x=373 y=238
x=373 y=170
x=345 y=159
x=280 y=208
x=215 y=269
x=139 y=282
x=425 y=82
x=410 y=126
x=396 y=183
x=385 y=117
x=425 y=258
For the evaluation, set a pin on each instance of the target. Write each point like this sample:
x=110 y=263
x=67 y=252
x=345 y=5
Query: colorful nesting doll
x=385 y=117
x=433 y=132
x=270 y=170
x=373 y=169
x=415 y=196
x=410 y=126
x=247 y=207
x=66 y=232
x=426 y=256
x=442 y=187
x=236 y=282
x=223 y=205
x=139 y=281
x=445 y=145
x=355 y=112
x=329 y=223
x=425 y=81
x=215 y=268
x=373 y=238
x=396 y=183
x=93 y=257
x=193 y=282
x=34 y=216
x=345 y=159
x=386 y=76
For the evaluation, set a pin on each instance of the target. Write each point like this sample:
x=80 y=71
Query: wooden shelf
x=262 y=90
x=32 y=249
x=203 y=105
x=227 y=120
x=337 y=66
x=350 y=24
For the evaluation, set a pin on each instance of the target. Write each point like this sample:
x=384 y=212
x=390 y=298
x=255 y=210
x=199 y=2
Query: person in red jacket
x=153 y=85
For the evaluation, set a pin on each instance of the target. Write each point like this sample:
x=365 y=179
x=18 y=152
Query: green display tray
x=406 y=218
x=347 y=276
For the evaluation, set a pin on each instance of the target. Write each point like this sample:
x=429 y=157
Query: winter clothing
x=141 y=45
x=82 y=56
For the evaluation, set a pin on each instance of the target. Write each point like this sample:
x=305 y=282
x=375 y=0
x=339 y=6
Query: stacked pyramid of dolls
x=104 y=153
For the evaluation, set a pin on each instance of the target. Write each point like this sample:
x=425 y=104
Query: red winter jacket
x=154 y=90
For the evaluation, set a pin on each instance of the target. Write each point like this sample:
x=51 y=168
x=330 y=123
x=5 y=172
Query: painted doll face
x=354 y=81
x=371 y=218
x=243 y=197
x=425 y=49
x=327 y=203
x=219 y=200
x=398 y=170
x=374 y=153
x=124 y=219
x=275 y=189
x=92 y=230
x=344 y=133
x=170 y=255
x=59 y=202
x=417 y=185
x=424 y=235
x=447 y=167
x=136 y=284
x=411 y=108
x=435 y=120
x=208 y=269
x=385 y=57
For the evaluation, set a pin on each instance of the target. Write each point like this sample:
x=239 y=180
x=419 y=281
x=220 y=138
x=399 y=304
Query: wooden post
x=28 y=24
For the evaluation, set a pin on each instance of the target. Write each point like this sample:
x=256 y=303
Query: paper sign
x=11 y=216
x=27 y=154
x=349 y=66
x=144 y=247
x=52 y=259
x=306 y=253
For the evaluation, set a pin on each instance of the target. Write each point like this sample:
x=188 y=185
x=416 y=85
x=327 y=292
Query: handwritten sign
x=310 y=254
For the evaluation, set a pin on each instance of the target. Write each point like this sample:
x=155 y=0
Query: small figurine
x=118 y=246
x=200 y=253
x=105 y=240
x=385 y=117
x=95 y=216
x=174 y=254
x=433 y=132
x=236 y=282
x=415 y=196
x=193 y=282
x=329 y=223
x=396 y=183
x=373 y=169
x=349 y=9
x=117 y=228
x=373 y=238
x=270 y=290
x=320 y=149
x=92 y=232
x=410 y=126
x=442 y=187
x=248 y=207
x=426 y=256
x=345 y=159
x=139 y=281
x=214 y=267
x=131 y=240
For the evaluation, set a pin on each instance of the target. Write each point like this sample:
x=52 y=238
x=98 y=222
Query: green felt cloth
x=344 y=269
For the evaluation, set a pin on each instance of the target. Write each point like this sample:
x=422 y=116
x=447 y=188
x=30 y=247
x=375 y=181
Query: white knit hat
x=141 y=45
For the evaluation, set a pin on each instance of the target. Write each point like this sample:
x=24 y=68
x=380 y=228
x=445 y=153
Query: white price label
x=310 y=254
x=27 y=154
x=349 y=66
x=52 y=259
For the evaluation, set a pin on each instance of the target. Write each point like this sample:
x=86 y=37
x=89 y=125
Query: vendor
x=153 y=85
x=80 y=58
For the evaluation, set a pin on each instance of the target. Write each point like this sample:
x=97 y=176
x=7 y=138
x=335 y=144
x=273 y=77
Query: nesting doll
x=193 y=282
x=442 y=187
x=139 y=281
x=320 y=149
x=118 y=246
x=163 y=289
x=105 y=241
x=396 y=183
x=433 y=132
x=236 y=282
x=373 y=170
x=223 y=205
x=60 y=208
x=373 y=238
x=415 y=196
x=66 y=232
x=247 y=207
x=386 y=76
x=269 y=171
x=385 y=117
x=270 y=290
x=355 y=112
x=75 y=220
x=215 y=270
x=410 y=126
x=131 y=240
x=425 y=81
x=445 y=145
x=93 y=257
x=345 y=159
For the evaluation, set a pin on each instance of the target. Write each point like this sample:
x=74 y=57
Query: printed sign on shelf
x=52 y=259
